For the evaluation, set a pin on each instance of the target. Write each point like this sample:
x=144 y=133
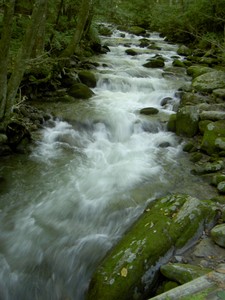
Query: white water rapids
x=86 y=182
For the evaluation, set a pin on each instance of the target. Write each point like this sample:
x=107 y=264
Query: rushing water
x=84 y=184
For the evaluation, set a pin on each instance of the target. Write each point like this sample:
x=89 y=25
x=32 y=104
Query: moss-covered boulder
x=154 y=63
x=136 y=30
x=129 y=269
x=189 y=98
x=88 y=78
x=183 y=273
x=198 y=70
x=219 y=94
x=187 y=121
x=218 y=235
x=213 y=140
x=80 y=91
x=209 y=81
x=184 y=50
x=171 y=125
x=131 y=52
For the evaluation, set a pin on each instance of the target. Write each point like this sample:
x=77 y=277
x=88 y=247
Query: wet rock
x=178 y=63
x=87 y=78
x=183 y=273
x=149 y=111
x=218 y=235
x=144 y=43
x=171 y=125
x=16 y=133
x=136 y=30
x=130 y=268
x=209 y=81
x=131 y=52
x=154 y=63
x=187 y=121
x=80 y=91
x=213 y=140
x=166 y=100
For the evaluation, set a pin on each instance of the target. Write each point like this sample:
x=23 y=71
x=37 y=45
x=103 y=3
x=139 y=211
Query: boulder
x=131 y=52
x=219 y=93
x=87 y=78
x=171 y=125
x=183 y=273
x=154 y=63
x=221 y=187
x=218 y=235
x=187 y=121
x=213 y=140
x=137 y=30
x=167 y=226
x=209 y=167
x=17 y=133
x=212 y=115
x=209 y=81
x=189 y=98
x=178 y=63
x=80 y=91
x=198 y=70
x=149 y=111
x=184 y=50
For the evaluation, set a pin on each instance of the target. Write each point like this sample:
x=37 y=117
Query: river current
x=85 y=182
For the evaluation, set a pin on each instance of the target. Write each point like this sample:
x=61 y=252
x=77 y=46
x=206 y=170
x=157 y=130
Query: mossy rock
x=218 y=235
x=80 y=91
x=154 y=63
x=198 y=70
x=131 y=52
x=183 y=273
x=209 y=81
x=178 y=63
x=137 y=30
x=184 y=50
x=129 y=269
x=171 y=125
x=214 y=137
x=187 y=121
x=189 y=98
x=88 y=78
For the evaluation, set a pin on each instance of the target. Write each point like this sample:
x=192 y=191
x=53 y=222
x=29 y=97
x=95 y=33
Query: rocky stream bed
x=178 y=237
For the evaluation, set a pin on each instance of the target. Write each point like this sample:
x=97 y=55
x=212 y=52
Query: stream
x=67 y=203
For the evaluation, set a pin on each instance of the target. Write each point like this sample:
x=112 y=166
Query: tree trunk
x=24 y=53
x=82 y=19
x=39 y=45
x=4 y=52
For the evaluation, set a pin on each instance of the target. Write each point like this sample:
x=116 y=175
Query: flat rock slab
x=210 y=286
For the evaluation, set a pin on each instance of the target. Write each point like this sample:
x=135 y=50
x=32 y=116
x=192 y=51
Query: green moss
x=129 y=269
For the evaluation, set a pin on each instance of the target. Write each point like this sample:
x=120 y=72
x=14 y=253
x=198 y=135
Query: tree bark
x=24 y=53
x=4 y=52
x=82 y=19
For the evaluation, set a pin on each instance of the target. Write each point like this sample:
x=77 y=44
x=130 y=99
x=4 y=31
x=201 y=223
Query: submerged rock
x=168 y=225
